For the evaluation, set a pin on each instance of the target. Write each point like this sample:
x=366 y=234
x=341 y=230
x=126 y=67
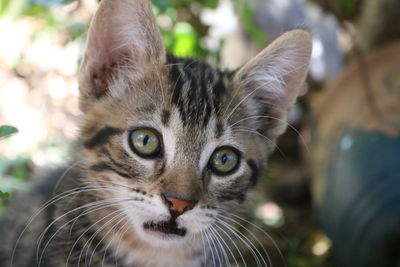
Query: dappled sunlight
x=271 y=214
x=332 y=178
x=39 y=95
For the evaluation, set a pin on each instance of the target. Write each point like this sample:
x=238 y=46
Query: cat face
x=175 y=142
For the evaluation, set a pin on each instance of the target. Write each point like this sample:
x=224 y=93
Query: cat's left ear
x=123 y=40
x=276 y=76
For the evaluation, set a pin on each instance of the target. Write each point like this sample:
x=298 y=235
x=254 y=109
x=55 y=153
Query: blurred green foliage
x=342 y=9
x=4 y=195
x=17 y=168
x=249 y=24
x=182 y=34
x=184 y=30
x=349 y=4
x=6 y=130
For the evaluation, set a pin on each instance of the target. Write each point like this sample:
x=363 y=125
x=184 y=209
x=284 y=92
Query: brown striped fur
x=128 y=82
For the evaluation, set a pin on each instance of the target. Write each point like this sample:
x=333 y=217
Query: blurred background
x=331 y=194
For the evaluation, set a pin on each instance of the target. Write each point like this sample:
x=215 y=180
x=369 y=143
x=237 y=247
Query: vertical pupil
x=145 y=140
x=224 y=158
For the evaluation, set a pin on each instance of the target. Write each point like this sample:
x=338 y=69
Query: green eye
x=145 y=143
x=224 y=161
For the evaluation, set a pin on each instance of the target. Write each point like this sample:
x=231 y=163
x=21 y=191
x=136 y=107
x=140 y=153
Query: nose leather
x=179 y=205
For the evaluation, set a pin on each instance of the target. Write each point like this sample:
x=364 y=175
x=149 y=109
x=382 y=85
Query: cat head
x=175 y=142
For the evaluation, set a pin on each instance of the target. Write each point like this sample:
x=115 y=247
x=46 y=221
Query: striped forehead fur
x=199 y=89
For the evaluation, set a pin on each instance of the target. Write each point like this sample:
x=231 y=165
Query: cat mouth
x=166 y=227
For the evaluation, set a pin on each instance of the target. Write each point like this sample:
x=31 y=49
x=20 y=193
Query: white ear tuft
x=276 y=76
x=123 y=36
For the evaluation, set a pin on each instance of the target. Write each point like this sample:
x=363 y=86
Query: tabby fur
x=127 y=81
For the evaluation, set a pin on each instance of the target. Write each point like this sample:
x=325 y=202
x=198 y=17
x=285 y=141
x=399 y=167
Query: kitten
x=170 y=148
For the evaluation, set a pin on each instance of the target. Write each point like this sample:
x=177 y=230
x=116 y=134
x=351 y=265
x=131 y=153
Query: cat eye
x=224 y=160
x=145 y=143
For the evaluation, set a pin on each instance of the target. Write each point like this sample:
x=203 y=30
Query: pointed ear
x=276 y=76
x=123 y=40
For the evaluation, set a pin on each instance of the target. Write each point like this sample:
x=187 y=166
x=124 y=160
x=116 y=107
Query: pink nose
x=179 y=205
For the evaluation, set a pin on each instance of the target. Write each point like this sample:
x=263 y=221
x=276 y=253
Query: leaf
x=4 y=195
x=6 y=130
x=248 y=20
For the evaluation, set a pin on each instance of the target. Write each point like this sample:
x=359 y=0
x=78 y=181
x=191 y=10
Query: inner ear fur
x=276 y=76
x=123 y=40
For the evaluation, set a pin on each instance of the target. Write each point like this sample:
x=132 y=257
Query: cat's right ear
x=276 y=77
x=123 y=41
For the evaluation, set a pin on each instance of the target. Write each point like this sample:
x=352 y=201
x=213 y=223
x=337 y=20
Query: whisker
x=51 y=201
x=77 y=240
x=126 y=225
x=161 y=87
x=59 y=229
x=230 y=102
x=87 y=212
x=211 y=247
x=258 y=241
x=234 y=244
x=91 y=204
x=121 y=185
x=60 y=217
x=204 y=247
x=275 y=79
x=265 y=233
x=90 y=240
x=217 y=248
x=64 y=174
x=120 y=217
x=224 y=244
x=245 y=129
x=246 y=241
x=280 y=120
x=241 y=102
